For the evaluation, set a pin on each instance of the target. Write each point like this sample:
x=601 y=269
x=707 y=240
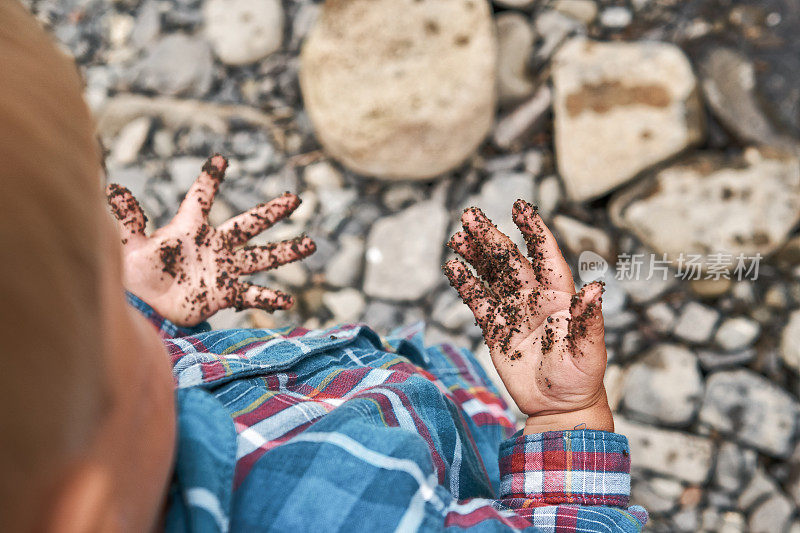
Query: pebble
x=525 y=120
x=616 y=17
x=578 y=237
x=582 y=10
x=665 y=386
x=749 y=409
x=133 y=178
x=658 y=495
x=323 y=176
x=661 y=317
x=734 y=467
x=148 y=25
x=515 y=39
x=411 y=101
x=346 y=304
x=548 y=195
x=451 y=312
x=344 y=268
x=696 y=323
x=790 y=342
x=400 y=265
x=554 y=28
x=620 y=108
x=242 y=31
x=130 y=140
x=750 y=204
x=176 y=65
x=184 y=171
x=670 y=453
x=772 y=515
x=711 y=361
x=737 y=333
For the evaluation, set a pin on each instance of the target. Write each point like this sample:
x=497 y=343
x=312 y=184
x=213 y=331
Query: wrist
x=596 y=416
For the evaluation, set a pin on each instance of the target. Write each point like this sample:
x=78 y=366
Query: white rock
x=665 y=386
x=661 y=317
x=619 y=109
x=400 y=264
x=790 y=342
x=772 y=515
x=346 y=304
x=526 y=119
x=578 y=237
x=554 y=28
x=615 y=17
x=322 y=175
x=293 y=274
x=670 y=453
x=749 y=206
x=412 y=100
x=243 y=31
x=519 y=4
x=497 y=196
x=344 y=268
x=734 y=467
x=696 y=322
x=130 y=140
x=657 y=495
x=548 y=195
x=184 y=170
x=582 y=10
x=451 y=312
x=737 y=333
x=514 y=44
x=177 y=64
x=751 y=410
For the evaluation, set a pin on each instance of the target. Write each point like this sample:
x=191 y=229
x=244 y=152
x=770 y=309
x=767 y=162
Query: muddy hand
x=188 y=269
x=545 y=341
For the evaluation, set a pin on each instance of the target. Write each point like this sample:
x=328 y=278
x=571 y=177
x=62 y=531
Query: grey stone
x=242 y=31
x=712 y=361
x=451 y=312
x=696 y=322
x=642 y=290
x=620 y=108
x=735 y=466
x=665 y=386
x=382 y=101
x=750 y=203
x=658 y=495
x=176 y=65
x=503 y=163
x=346 y=305
x=133 y=178
x=751 y=410
x=737 y=333
x=670 y=453
x=514 y=45
x=728 y=79
x=344 y=268
x=381 y=316
x=525 y=120
x=578 y=237
x=400 y=265
x=323 y=176
x=401 y=195
x=582 y=10
x=686 y=520
x=772 y=515
x=496 y=198
x=184 y=171
x=760 y=487
x=554 y=28
x=790 y=342
x=148 y=25
x=661 y=317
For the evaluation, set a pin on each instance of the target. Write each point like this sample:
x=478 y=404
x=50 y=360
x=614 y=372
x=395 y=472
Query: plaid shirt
x=295 y=430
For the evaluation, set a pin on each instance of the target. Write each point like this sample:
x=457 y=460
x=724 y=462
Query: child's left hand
x=189 y=270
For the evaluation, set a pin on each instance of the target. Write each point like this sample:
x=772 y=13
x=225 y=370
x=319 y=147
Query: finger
x=257 y=258
x=472 y=293
x=505 y=269
x=240 y=229
x=585 y=335
x=198 y=200
x=465 y=245
x=126 y=209
x=249 y=296
x=552 y=271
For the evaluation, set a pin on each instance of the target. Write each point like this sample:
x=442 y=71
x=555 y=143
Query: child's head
x=87 y=414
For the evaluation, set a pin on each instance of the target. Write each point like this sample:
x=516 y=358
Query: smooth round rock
x=243 y=31
x=413 y=99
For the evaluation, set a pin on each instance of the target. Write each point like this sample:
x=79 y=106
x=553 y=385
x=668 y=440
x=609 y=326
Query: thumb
x=585 y=337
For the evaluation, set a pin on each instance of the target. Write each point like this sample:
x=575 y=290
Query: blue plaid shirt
x=295 y=430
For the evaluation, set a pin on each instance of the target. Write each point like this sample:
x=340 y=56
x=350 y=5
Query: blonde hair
x=50 y=329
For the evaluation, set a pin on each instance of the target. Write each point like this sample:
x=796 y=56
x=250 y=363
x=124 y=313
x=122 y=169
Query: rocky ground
x=647 y=127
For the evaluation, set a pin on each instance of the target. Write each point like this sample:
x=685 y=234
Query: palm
x=188 y=270
x=545 y=341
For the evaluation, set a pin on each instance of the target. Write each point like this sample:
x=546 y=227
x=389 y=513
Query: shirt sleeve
x=165 y=328
x=569 y=481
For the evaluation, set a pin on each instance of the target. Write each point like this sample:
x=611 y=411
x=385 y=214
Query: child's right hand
x=545 y=341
